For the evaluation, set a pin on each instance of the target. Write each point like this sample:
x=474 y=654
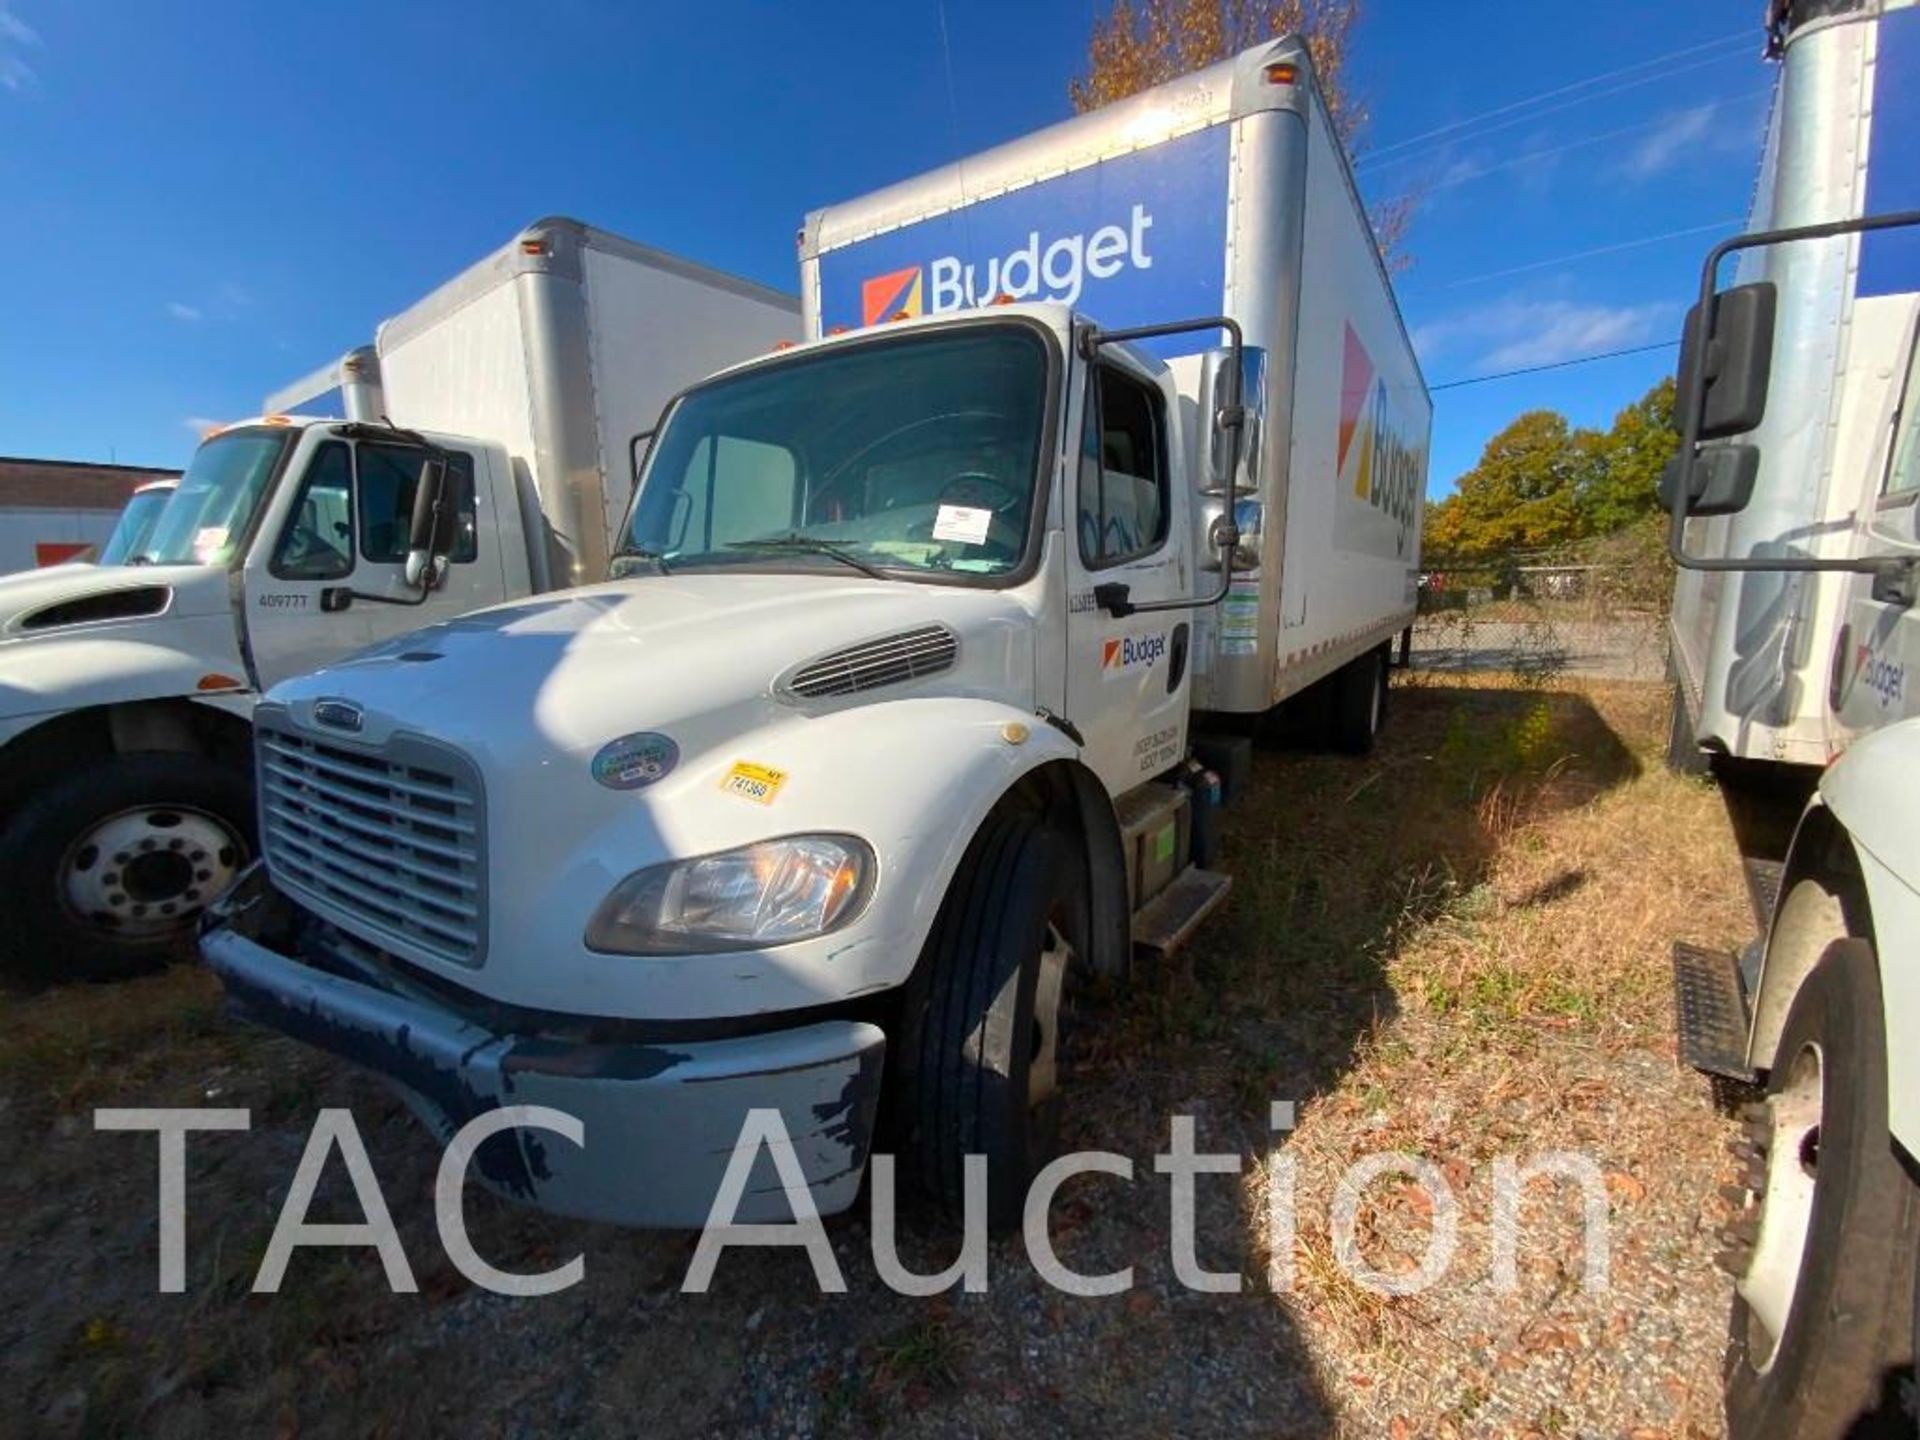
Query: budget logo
x=1126 y=653
x=1376 y=460
x=886 y=296
x=1060 y=268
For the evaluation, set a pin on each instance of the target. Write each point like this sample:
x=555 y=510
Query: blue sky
x=206 y=200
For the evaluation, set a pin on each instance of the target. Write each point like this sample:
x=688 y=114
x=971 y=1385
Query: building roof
x=71 y=484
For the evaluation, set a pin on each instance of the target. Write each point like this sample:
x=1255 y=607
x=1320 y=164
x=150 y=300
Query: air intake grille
x=889 y=660
x=387 y=843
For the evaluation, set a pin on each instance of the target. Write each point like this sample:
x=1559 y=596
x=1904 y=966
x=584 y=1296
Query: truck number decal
x=759 y=783
x=282 y=601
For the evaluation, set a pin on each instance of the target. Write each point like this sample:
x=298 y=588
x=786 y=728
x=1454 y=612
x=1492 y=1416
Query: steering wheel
x=977 y=490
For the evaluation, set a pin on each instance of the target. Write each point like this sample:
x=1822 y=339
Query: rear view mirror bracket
x=1721 y=391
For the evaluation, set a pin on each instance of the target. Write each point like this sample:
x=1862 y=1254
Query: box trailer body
x=1218 y=194
x=1790 y=667
x=883 y=732
x=289 y=542
x=565 y=346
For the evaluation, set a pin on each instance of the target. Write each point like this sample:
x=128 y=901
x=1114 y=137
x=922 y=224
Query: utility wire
x=1556 y=365
x=1372 y=158
x=1446 y=182
x=1577 y=255
x=1555 y=93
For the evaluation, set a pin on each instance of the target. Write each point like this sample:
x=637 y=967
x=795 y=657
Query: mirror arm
x=1893 y=574
x=1231 y=417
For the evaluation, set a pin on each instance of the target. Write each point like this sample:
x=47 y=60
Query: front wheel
x=986 y=1068
x=112 y=864
x=1360 y=702
x=1820 y=1321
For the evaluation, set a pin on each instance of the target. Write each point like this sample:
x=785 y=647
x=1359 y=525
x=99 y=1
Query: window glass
x=917 y=454
x=1123 y=471
x=317 y=543
x=1903 y=476
x=210 y=514
x=389 y=475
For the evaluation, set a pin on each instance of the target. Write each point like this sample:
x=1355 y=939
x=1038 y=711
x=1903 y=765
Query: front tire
x=112 y=864
x=1820 y=1311
x=986 y=1067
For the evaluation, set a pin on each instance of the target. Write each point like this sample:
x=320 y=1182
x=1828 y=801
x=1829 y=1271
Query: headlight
x=764 y=894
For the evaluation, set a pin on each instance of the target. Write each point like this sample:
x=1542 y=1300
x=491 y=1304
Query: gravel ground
x=1455 y=948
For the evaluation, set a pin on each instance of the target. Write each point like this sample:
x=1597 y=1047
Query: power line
x=1577 y=255
x=1556 y=365
x=1372 y=158
x=1513 y=105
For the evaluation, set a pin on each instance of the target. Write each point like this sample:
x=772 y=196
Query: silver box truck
x=127 y=694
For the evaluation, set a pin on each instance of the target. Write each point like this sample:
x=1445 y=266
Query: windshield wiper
x=652 y=557
x=813 y=546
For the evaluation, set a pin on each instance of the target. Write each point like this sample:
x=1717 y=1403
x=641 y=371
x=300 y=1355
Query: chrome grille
x=889 y=660
x=387 y=842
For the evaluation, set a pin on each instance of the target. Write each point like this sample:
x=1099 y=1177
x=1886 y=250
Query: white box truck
x=883 y=739
x=1795 y=500
x=127 y=694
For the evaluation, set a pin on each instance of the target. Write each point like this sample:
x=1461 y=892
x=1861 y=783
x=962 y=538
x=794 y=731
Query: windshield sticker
x=962 y=524
x=207 y=541
x=636 y=761
x=759 y=783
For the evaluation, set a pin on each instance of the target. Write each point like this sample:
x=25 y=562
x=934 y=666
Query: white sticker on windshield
x=207 y=541
x=962 y=524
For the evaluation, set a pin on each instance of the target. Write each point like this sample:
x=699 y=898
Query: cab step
x=1710 y=1010
x=1163 y=924
x=1763 y=888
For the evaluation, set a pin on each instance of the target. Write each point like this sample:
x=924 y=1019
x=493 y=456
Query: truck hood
x=702 y=657
x=42 y=603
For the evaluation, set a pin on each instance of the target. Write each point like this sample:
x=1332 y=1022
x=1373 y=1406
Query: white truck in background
x=127 y=694
x=888 y=731
x=137 y=519
x=1795 y=498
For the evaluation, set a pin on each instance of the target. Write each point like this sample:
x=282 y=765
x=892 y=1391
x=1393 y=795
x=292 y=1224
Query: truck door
x=342 y=532
x=1127 y=678
x=1875 y=678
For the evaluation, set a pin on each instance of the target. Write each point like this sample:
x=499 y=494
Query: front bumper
x=660 y=1120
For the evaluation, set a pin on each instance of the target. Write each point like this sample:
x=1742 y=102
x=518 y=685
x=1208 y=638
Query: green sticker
x=1163 y=844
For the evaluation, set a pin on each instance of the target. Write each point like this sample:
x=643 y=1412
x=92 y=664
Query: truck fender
x=1850 y=873
x=51 y=677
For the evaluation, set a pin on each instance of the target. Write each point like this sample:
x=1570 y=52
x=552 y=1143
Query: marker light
x=1282 y=74
x=770 y=893
x=533 y=247
x=216 y=681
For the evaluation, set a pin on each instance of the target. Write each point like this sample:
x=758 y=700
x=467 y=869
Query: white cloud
x=15 y=35
x=1676 y=136
x=1514 y=333
x=200 y=424
x=181 y=311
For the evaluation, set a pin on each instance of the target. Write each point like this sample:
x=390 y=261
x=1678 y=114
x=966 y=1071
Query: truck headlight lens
x=763 y=894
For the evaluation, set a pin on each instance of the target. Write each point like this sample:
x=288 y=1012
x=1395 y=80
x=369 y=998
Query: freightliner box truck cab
x=127 y=693
x=1796 y=638
x=883 y=739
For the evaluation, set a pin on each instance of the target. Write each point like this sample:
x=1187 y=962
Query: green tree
x=1522 y=495
x=1622 y=467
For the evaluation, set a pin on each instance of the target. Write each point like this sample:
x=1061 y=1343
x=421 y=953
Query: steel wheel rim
x=146 y=870
x=1772 y=1277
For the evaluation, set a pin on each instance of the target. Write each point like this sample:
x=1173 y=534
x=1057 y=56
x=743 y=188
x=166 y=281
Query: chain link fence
x=1594 y=610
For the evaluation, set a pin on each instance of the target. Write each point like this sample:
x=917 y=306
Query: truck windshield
x=135 y=524
x=209 y=514
x=909 y=454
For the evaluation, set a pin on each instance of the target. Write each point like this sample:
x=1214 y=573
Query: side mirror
x=1719 y=482
x=430 y=535
x=1221 y=419
x=1738 y=335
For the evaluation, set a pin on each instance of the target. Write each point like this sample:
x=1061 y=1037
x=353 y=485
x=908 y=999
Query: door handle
x=1112 y=598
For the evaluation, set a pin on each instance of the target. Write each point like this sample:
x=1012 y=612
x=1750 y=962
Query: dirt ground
x=1456 y=949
